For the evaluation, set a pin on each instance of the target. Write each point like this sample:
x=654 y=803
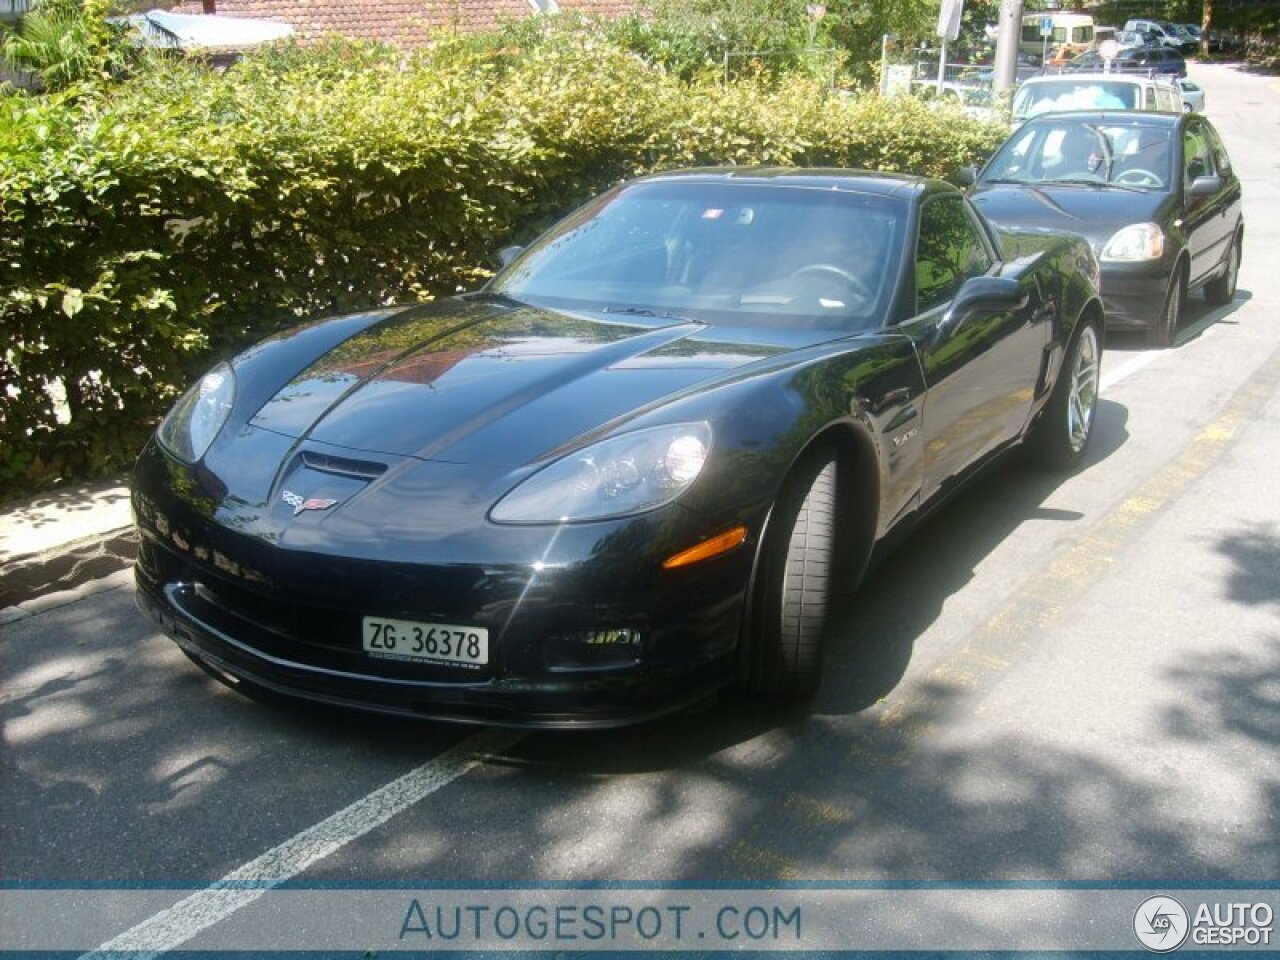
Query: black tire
x=1164 y=332
x=1222 y=290
x=1062 y=433
x=793 y=586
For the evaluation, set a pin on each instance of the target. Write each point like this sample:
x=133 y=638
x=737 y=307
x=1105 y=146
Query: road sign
x=1046 y=26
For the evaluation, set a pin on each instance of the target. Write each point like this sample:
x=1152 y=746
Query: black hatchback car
x=1154 y=193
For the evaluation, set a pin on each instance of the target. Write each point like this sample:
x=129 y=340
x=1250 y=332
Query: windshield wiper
x=644 y=312
x=1082 y=182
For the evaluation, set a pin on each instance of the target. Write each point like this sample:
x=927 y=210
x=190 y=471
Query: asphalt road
x=1053 y=680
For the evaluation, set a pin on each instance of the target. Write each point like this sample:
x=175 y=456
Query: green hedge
x=148 y=229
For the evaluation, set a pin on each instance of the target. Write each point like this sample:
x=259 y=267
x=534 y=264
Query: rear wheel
x=1064 y=428
x=794 y=582
x=1222 y=290
x=1165 y=331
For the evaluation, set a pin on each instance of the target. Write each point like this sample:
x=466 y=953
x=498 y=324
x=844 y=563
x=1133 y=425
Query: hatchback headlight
x=195 y=420
x=617 y=477
x=1138 y=241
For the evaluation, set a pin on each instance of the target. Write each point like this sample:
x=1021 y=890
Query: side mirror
x=967 y=176
x=507 y=255
x=982 y=295
x=1205 y=186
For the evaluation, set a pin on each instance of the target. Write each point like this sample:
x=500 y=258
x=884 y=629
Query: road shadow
x=1198 y=316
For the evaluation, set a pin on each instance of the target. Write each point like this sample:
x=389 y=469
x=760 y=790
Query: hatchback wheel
x=1164 y=332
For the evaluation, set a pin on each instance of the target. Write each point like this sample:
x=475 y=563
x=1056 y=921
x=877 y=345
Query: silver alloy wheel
x=1084 y=389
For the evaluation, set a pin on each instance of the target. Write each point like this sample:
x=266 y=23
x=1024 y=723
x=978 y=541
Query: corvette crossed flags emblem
x=300 y=503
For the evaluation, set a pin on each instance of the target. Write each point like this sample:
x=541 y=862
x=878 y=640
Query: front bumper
x=1133 y=294
x=290 y=620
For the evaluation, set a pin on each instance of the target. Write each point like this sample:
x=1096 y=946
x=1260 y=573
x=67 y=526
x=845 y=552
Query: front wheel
x=1066 y=424
x=794 y=582
x=1164 y=332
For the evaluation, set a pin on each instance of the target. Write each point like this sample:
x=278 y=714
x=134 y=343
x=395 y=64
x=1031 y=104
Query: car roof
x=1086 y=76
x=1133 y=118
x=898 y=185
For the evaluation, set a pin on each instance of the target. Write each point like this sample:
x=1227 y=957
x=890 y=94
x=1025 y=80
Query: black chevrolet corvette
x=627 y=472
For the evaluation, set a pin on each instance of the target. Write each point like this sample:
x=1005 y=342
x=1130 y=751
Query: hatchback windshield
x=742 y=253
x=1067 y=150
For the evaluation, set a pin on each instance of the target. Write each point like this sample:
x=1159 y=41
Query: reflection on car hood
x=1093 y=212
x=467 y=382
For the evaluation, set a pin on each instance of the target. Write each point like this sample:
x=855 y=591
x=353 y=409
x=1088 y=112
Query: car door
x=981 y=373
x=1208 y=221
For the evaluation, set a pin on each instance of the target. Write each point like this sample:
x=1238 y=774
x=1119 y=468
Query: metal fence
x=13 y=9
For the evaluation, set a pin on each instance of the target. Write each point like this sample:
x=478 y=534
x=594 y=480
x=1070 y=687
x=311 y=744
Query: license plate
x=427 y=642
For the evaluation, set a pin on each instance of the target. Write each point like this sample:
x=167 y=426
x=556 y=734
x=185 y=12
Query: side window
x=1197 y=158
x=1150 y=100
x=1221 y=161
x=949 y=250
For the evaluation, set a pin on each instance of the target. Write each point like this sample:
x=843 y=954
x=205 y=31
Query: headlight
x=195 y=420
x=1139 y=241
x=613 y=478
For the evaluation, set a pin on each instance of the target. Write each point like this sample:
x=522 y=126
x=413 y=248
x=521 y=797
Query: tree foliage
x=66 y=43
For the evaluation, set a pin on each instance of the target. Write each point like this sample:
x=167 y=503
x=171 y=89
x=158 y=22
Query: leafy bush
x=145 y=231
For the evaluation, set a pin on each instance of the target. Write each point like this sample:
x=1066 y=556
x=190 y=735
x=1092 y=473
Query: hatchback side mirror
x=967 y=176
x=1205 y=186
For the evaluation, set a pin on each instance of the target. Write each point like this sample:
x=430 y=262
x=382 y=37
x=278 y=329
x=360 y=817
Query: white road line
x=1126 y=369
x=175 y=926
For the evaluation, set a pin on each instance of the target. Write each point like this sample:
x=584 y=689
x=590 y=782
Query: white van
x=1070 y=34
x=1095 y=91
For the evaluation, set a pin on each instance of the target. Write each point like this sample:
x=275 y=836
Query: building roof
x=406 y=23
x=160 y=28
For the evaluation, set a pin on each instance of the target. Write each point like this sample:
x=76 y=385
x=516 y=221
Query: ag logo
x=1161 y=924
x=300 y=503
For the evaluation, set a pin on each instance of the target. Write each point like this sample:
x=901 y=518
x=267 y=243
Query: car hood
x=1095 y=213
x=468 y=382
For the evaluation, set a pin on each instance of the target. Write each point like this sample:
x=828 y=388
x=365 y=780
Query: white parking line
x=1126 y=369
x=175 y=926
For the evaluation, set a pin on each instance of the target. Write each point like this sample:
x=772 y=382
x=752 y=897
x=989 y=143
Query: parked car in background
x=635 y=468
x=1164 y=33
x=1128 y=39
x=1225 y=41
x=1192 y=96
x=1151 y=59
x=1155 y=194
x=1095 y=91
x=1148 y=60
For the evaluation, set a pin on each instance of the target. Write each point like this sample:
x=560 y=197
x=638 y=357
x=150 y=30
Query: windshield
x=1037 y=98
x=1068 y=149
x=763 y=255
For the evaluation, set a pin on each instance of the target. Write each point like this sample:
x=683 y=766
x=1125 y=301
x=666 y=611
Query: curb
x=65 y=567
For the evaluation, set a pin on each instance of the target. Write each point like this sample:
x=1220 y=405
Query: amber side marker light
x=722 y=543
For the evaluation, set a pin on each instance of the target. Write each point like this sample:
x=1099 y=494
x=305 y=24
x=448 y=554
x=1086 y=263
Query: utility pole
x=1007 y=37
